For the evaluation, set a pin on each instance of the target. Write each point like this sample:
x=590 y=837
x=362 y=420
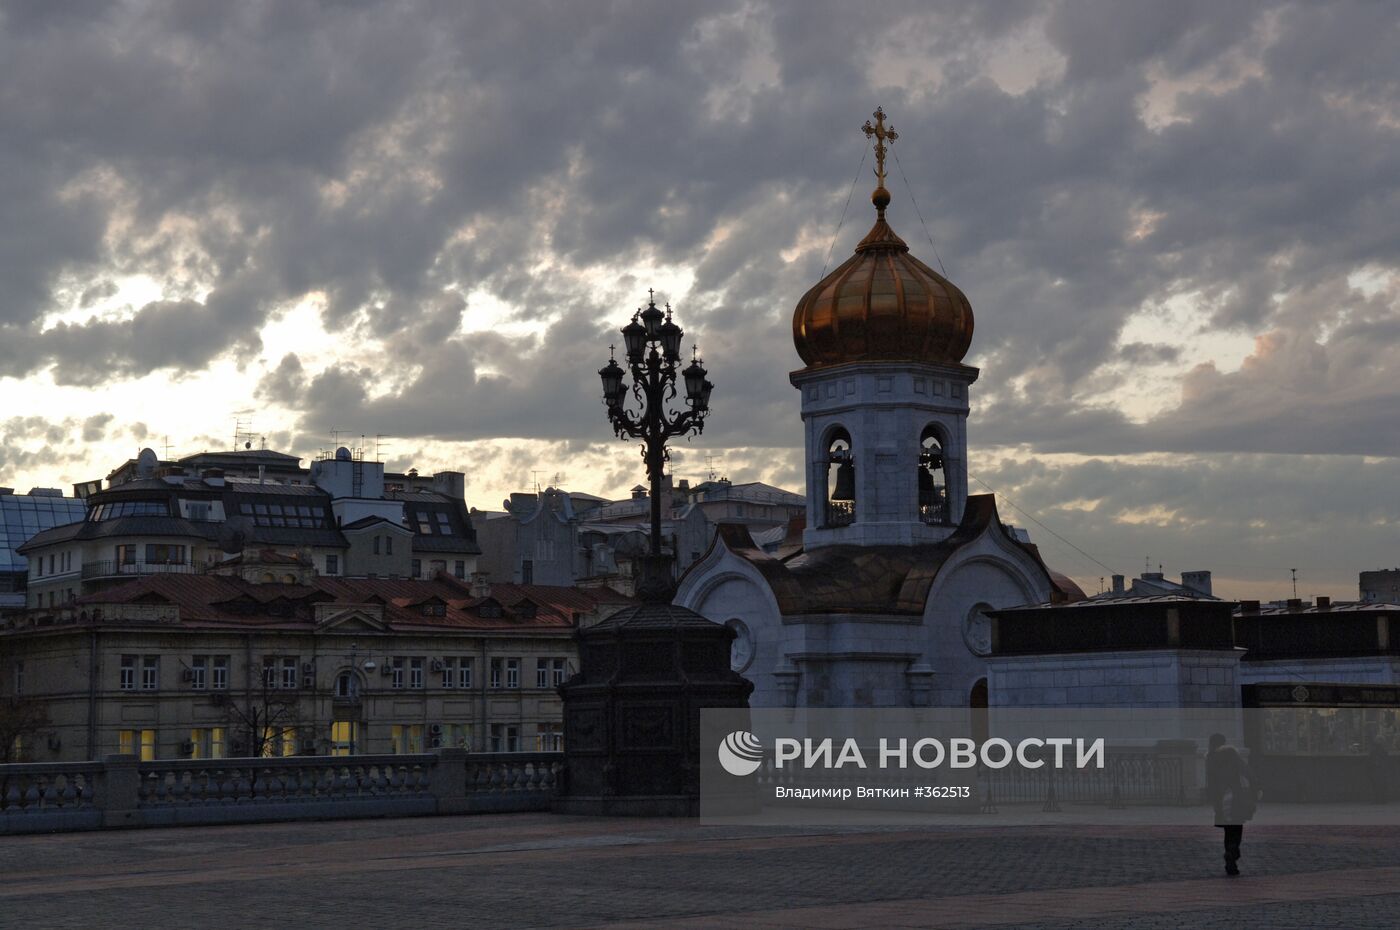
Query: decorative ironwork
x=881 y=135
x=652 y=342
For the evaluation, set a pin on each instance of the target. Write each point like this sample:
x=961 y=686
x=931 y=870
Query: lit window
x=344 y=735
x=406 y=738
x=549 y=737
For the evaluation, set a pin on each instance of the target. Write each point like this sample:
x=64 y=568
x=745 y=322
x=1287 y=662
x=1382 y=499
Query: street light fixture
x=652 y=342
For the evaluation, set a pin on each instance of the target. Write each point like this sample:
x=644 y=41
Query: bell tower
x=884 y=390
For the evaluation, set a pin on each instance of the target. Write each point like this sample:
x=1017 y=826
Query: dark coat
x=1228 y=787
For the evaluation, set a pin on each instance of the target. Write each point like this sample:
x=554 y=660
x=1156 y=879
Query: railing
x=109 y=568
x=1125 y=779
x=124 y=792
x=840 y=513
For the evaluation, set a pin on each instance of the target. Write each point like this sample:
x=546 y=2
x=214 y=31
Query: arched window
x=933 y=479
x=347 y=685
x=840 y=479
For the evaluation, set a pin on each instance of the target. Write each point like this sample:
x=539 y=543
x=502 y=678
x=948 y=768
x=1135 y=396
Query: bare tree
x=261 y=714
x=21 y=721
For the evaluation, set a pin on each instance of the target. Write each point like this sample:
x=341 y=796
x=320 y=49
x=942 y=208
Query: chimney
x=1324 y=602
x=1249 y=607
x=1295 y=604
x=481 y=585
x=1199 y=582
x=1117 y=584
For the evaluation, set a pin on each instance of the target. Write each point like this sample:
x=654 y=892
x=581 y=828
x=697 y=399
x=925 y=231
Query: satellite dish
x=146 y=463
x=248 y=445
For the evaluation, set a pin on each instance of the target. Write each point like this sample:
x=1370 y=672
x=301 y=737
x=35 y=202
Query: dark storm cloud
x=391 y=156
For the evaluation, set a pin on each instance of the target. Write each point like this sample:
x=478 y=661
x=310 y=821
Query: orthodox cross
x=882 y=135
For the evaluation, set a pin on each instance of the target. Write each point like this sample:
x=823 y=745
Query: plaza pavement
x=543 y=871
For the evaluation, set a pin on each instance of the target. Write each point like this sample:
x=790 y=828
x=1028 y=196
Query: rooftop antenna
x=535 y=477
x=379 y=444
x=1294 y=572
x=710 y=464
x=167 y=448
x=242 y=433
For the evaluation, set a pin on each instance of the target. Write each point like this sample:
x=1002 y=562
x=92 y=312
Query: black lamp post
x=652 y=342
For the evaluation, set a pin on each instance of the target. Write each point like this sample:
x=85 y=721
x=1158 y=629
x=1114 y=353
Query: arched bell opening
x=933 y=478
x=840 y=479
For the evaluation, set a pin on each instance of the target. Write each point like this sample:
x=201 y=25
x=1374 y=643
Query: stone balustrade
x=123 y=792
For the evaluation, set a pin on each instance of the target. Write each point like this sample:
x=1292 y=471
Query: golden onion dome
x=883 y=304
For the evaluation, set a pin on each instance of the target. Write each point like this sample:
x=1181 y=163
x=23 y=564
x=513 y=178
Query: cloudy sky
x=1177 y=225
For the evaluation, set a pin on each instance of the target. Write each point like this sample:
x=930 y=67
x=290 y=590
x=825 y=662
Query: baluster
x=70 y=791
x=260 y=785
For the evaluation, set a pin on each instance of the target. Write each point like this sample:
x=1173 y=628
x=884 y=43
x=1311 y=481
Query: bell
x=927 y=495
x=845 y=482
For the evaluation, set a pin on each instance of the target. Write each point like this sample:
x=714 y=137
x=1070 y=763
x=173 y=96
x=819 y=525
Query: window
x=150 y=673
x=505 y=737
x=207 y=743
x=199 y=511
x=541 y=673
x=933 y=479
x=406 y=738
x=388 y=545
x=51 y=570
x=162 y=554
x=347 y=685
x=376 y=545
x=17 y=682
x=415 y=672
x=332 y=565
x=417 y=568
x=269 y=671
x=126 y=554
x=527 y=571
x=464 y=672
x=458 y=735
x=840 y=480
x=459 y=569
x=396 y=672
x=344 y=734
x=141 y=743
x=496 y=665
x=512 y=673
x=199 y=673
x=549 y=737
x=278 y=741
x=289 y=671
x=558 y=669
x=220 y=677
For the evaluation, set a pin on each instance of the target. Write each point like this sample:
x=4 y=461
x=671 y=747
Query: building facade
x=225 y=664
x=162 y=519
x=22 y=516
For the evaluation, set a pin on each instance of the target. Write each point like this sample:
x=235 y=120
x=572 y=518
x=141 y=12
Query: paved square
x=542 y=871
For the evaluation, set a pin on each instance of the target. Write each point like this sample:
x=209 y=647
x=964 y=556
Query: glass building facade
x=21 y=516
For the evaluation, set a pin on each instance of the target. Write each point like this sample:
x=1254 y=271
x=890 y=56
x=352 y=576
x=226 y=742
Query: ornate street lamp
x=652 y=342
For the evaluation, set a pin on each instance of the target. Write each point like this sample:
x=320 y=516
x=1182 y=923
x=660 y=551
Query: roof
x=1110 y=599
x=866 y=579
x=1336 y=607
x=221 y=601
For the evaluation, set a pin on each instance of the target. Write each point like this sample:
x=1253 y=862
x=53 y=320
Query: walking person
x=1231 y=793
